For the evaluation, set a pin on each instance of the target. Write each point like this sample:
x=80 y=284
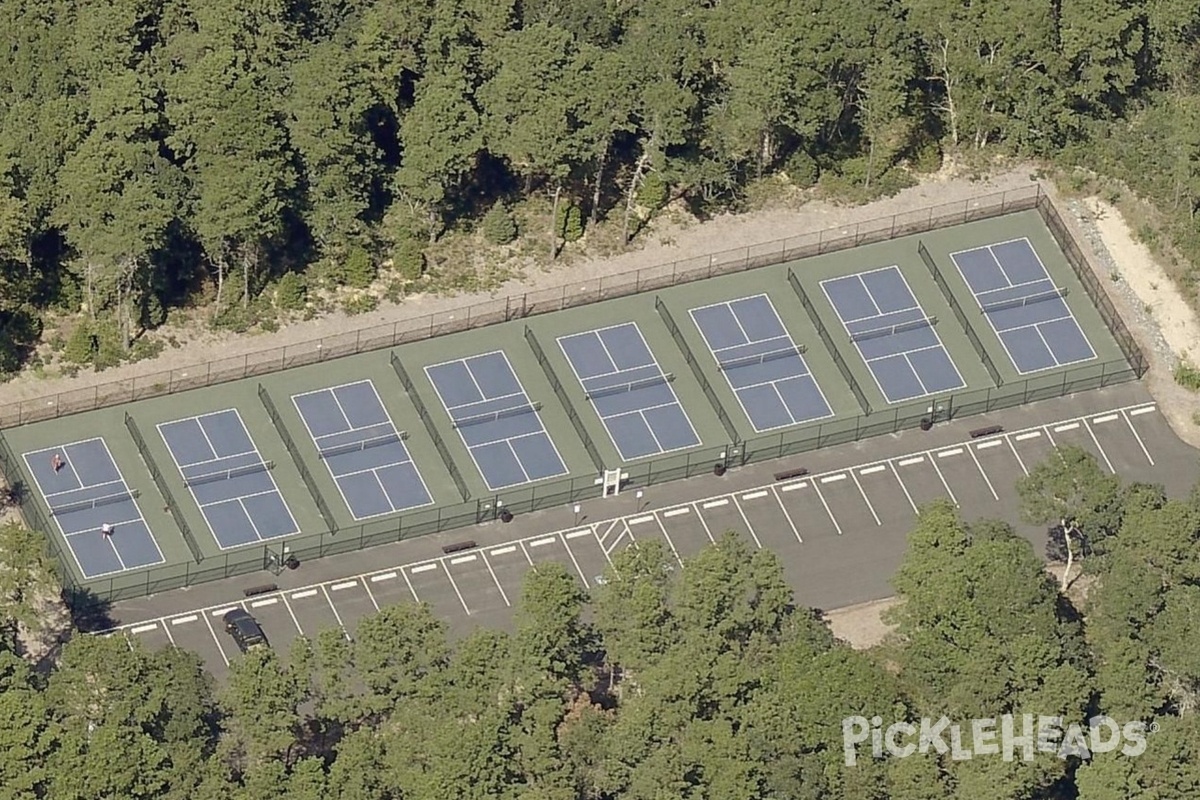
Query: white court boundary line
x=1132 y=410
x=654 y=362
x=524 y=393
x=992 y=323
x=391 y=423
x=58 y=523
x=858 y=345
x=737 y=392
x=192 y=490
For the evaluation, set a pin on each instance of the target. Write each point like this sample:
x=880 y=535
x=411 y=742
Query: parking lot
x=839 y=534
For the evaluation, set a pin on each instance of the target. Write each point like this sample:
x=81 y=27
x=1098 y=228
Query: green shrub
x=409 y=259
x=233 y=318
x=111 y=349
x=152 y=312
x=653 y=192
x=801 y=169
x=360 y=304
x=143 y=349
x=79 y=347
x=570 y=222
x=1187 y=376
x=360 y=269
x=498 y=224
x=290 y=292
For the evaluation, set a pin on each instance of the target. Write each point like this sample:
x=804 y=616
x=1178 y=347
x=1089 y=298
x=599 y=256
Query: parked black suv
x=245 y=630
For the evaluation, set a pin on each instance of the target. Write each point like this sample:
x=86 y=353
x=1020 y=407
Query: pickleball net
x=630 y=386
x=226 y=474
x=892 y=330
x=363 y=444
x=492 y=416
x=1027 y=300
x=94 y=502
x=760 y=358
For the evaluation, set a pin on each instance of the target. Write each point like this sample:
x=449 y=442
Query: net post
x=423 y=412
x=168 y=496
x=823 y=333
x=561 y=394
x=959 y=314
x=289 y=444
x=701 y=378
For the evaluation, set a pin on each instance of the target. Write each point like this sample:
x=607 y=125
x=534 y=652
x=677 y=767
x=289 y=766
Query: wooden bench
x=990 y=430
x=787 y=475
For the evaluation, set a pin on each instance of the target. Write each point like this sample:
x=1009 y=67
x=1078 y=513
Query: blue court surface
x=85 y=492
x=228 y=478
x=1026 y=310
x=495 y=418
x=893 y=334
x=764 y=367
x=629 y=390
x=365 y=454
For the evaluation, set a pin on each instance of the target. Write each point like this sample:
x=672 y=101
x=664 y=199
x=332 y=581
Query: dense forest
x=705 y=683
x=234 y=157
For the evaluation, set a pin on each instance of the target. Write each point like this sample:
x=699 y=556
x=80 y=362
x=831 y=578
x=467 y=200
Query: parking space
x=839 y=535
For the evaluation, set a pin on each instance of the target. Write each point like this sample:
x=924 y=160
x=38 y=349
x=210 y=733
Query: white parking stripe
x=872 y=470
x=791 y=487
x=181 y=620
x=841 y=476
x=715 y=503
x=1100 y=447
x=1105 y=418
x=270 y=601
x=387 y=576
x=1142 y=410
x=1031 y=435
x=1070 y=426
x=337 y=587
x=908 y=462
x=463 y=559
x=675 y=512
x=989 y=443
x=423 y=568
x=542 y=542
x=503 y=551
x=640 y=520
x=575 y=535
x=304 y=594
x=143 y=628
x=220 y=612
x=947 y=453
x=754 y=495
x=1137 y=436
